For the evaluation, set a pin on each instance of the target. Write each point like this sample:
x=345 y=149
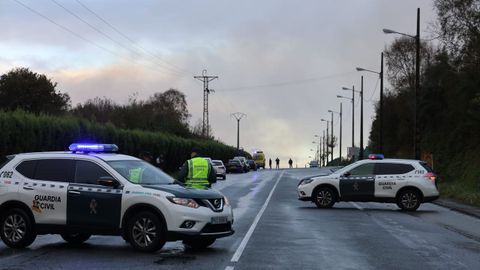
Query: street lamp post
x=380 y=74
x=328 y=123
x=351 y=100
x=416 y=141
x=324 y=152
x=340 y=144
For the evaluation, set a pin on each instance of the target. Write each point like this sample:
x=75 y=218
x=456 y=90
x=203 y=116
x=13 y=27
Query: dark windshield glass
x=141 y=172
x=426 y=166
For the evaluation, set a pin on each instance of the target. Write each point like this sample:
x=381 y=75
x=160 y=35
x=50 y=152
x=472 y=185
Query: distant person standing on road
x=290 y=163
x=277 y=161
x=270 y=163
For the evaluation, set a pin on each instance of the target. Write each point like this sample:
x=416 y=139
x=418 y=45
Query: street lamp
x=360 y=156
x=416 y=141
x=340 y=114
x=380 y=74
x=326 y=152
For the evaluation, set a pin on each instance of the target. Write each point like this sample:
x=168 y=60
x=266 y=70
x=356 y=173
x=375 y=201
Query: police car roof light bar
x=92 y=147
x=376 y=156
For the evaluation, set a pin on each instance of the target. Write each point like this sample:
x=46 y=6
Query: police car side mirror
x=107 y=181
x=347 y=174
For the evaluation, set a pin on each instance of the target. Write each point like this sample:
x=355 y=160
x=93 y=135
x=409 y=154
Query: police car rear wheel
x=199 y=243
x=408 y=200
x=146 y=232
x=324 y=197
x=16 y=229
x=75 y=238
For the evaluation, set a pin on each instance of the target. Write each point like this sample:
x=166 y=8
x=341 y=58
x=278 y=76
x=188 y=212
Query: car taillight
x=431 y=176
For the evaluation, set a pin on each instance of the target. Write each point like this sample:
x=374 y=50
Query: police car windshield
x=141 y=172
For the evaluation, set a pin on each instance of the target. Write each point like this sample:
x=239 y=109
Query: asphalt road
x=276 y=231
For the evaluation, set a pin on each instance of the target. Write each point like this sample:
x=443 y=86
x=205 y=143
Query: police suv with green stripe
x=405 y=182
x=91 y=190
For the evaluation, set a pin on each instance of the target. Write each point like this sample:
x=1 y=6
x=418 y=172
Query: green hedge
x=25 y=132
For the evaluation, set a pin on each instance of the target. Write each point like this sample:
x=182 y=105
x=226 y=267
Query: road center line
x=247 y=236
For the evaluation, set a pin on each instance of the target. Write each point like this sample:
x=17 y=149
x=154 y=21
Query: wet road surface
x=276 y=231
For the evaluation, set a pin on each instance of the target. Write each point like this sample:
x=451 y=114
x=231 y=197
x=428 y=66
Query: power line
x=66 y=29
x=130 y=39
x=285 y=83
x=102 y=33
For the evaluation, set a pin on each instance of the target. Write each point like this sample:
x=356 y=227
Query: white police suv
x=405 y=182
x=92 y=190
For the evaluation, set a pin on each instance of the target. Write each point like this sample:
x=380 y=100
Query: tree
x=23 y=89
x=458 y=27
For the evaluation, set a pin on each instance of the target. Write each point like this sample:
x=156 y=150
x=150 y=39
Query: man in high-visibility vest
x=197 y=172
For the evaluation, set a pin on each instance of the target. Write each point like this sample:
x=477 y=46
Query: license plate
x=219 y=220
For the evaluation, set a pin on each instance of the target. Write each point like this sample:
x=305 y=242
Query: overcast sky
x=280 y=62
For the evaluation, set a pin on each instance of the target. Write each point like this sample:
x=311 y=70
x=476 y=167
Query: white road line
x=357 y=206
x=246 y=238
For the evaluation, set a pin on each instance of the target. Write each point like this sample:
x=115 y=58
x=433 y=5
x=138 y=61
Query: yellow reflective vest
x=198 y=171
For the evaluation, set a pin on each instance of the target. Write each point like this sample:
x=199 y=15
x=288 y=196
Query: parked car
x=252 y=164
x=235 y=166
x=244 y=162
x=313 y=164
x=219 y=169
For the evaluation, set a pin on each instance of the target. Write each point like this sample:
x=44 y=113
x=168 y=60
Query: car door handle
x=73 y=192
x=28 y=188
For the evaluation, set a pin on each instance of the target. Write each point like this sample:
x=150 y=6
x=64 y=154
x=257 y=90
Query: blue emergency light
x=376 y=156
x=92 y=147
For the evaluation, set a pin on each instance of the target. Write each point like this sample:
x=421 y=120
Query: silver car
x=219 y=168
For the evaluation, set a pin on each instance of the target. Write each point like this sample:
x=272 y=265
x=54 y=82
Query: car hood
x=183 y=192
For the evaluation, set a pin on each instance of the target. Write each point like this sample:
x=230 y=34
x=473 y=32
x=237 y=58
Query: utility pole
x=360 y=156
x=324 y=152
x=417 y=138
x=340 y=155
x=238 y=116
x=380 y=148
x=205 y=79
x=331 y=139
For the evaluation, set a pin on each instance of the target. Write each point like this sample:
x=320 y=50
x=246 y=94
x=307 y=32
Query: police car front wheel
x=409 y=200
x=146 y=232
x=75 y=238
x=324 y=197
x=16 y=229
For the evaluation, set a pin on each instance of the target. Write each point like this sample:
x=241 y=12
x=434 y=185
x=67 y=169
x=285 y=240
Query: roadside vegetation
x=449 y=105
x=36 y=116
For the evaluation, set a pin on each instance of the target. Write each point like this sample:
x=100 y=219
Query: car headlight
x=305 y=181
x=184 y=202
x=225 y=199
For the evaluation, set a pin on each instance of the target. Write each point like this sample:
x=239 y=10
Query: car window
x=60 y=170
x=426 y=166
x=364 y=169
x=87 y=172
x=217 y=163
x=392 y=168
x=27 y=168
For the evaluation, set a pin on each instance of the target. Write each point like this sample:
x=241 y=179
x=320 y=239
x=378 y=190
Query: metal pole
x=353 y=121
x=331 y=139
x=238 y=134
x=327 y=143
x=380 y=148
x=360 y=156
x=323 y=153
x=417 y=140
x=340 y=155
